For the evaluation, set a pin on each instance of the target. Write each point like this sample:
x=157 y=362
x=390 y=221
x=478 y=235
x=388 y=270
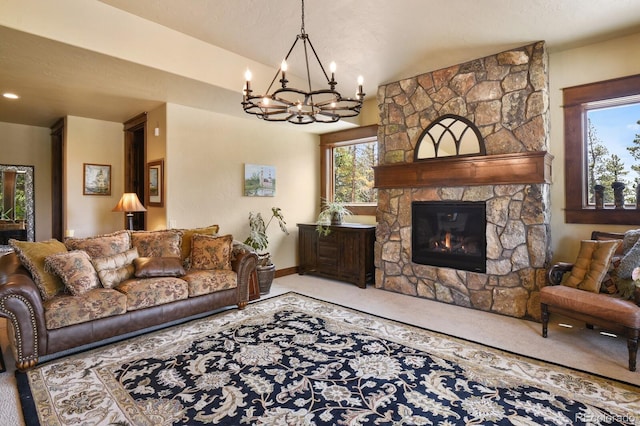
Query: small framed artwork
x=155 y=176
x=96 y=179
x=259 y=181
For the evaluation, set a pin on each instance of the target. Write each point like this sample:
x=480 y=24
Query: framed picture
x=96 y=179
x=155 y=190
x=259 y=181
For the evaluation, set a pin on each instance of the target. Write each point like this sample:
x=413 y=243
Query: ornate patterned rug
x=294 y=360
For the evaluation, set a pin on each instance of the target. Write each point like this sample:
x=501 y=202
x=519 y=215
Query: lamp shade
x=129 y=203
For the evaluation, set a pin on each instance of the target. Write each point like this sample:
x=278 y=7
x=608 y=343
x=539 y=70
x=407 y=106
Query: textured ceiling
x=380 y=39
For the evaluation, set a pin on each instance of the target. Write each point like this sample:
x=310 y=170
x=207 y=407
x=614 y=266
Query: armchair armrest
x=244 y=262
x=557 y=271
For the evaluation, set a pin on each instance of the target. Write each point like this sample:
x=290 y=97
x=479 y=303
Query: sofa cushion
x=112 y=270
x=32 y=256
x=187 y=235
x=211 y=252
x=101 y=245
x=592 y=264
x=147 y=267
x=164 y=243
x=610 y=308
x=209 y=281
x=74 y=269
x=65 y=310
x=145 y=292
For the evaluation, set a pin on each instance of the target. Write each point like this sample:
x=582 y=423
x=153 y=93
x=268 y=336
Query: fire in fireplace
x=449 y=234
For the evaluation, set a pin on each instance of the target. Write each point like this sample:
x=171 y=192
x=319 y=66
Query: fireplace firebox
x=449 y=234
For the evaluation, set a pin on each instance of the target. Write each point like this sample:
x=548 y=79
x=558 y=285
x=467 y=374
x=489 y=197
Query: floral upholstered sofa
x=63 y=295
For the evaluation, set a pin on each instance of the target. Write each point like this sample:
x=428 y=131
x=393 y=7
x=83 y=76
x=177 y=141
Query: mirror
x=17 y=214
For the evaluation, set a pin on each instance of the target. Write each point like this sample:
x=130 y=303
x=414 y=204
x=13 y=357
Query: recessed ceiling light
x=10 y=95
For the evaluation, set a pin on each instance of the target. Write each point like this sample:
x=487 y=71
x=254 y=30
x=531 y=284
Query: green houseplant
x=332 y=213
x=259 y=241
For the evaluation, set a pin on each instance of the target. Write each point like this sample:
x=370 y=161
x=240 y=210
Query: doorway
x=134 y=163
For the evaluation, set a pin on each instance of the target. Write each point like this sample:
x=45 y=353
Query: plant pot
x=265 y=277
x=336 y=218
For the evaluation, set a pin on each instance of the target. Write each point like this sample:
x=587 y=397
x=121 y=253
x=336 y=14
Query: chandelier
x=302 y=106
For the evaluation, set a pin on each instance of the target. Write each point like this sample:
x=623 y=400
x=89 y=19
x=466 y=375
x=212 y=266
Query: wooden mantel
x=503 y=169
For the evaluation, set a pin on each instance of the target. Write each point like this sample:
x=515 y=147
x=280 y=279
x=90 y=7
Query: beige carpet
x=576 y=347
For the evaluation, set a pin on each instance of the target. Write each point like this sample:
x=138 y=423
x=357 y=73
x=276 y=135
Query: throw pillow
x=165 y=243
x=187 y=235
x=75 y=270
x=147 y=267
x=592 y=264
x=629 y=261
x=211 y=251
x=32 y=256
x=112 y=270
x=629 y=240
x=101 y=245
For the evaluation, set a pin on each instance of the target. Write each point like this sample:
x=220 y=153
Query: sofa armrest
x=244 y=262
x=557 y=271
x=21 y=304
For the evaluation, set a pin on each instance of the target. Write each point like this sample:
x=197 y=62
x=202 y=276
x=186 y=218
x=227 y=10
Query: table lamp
x=129 y=203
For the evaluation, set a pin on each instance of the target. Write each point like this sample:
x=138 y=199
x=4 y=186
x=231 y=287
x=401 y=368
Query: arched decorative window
x=448 y=136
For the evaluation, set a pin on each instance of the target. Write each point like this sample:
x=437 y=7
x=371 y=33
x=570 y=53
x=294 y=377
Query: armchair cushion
x=592 y=264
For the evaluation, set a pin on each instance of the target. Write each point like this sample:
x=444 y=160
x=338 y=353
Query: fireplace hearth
x=449 y=234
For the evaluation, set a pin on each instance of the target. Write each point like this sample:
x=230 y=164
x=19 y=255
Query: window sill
x=605 y=216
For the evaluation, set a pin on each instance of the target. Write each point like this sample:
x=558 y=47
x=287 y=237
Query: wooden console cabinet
x=346 y=254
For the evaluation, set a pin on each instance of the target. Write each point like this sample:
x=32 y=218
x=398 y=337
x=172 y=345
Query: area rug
x=295 y=360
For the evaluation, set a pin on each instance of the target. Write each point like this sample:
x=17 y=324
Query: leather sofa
x=32 y=335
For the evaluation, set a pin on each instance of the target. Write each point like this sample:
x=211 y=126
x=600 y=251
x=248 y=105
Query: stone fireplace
x=506 y=97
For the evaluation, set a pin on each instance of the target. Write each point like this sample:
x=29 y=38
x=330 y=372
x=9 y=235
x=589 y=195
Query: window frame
x=575 y=100
x=328 y=141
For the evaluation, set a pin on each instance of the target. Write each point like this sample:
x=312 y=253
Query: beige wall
x=97 y=142
x=615 y=58
x=205 y=171
x=157 y=150
x=31 y=146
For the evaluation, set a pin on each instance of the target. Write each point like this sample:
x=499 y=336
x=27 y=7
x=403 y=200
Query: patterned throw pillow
x=112 y=270
x=629 y=262
x=75 y=270
x=101 y=245
x=187 y=235
x=32 y=255
x=592 y=264
x=211 y=251
x=165 y=243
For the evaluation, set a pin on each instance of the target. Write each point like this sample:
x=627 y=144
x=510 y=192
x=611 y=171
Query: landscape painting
x=259 y=180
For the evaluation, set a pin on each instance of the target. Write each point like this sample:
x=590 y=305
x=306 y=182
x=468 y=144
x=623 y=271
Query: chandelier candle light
x=302 y=106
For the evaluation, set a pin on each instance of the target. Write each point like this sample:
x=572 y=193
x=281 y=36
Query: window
x=613 y=148
x=348 y=158
x=594 y=156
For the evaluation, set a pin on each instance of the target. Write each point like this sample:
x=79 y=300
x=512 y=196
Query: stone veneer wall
x=506 y=96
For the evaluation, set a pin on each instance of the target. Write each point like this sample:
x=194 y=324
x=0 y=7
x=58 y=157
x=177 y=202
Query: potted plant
x=332 y=213
x=259 y=241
